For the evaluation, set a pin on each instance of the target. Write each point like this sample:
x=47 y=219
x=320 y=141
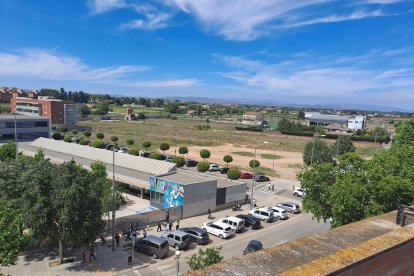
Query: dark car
x=261 y=178
x=224 y=170
x=145 y=154
x=109 y=146
x=250 y=221
x=197 y=235
x=253 y=246
x=191 y=163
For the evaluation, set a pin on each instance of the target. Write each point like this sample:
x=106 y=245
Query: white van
x=236 y=224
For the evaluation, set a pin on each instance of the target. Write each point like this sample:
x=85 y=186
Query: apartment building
x=28 y=128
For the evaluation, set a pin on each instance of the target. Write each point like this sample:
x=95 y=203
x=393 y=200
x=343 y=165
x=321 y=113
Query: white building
x=357 y=122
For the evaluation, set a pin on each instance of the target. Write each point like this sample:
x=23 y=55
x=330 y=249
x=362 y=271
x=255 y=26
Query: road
x=297 y=226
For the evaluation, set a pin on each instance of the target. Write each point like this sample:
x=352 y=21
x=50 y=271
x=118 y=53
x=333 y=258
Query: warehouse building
x=336 y=122
x=27 y=128
x=181 y=192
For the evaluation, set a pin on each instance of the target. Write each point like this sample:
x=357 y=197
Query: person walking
x=159 y=226
x=117 y=239
x=91 y=254
x=145 y=233
x=209 y=213
x=177 y=226
x=102 y=239
x=268 y=186
x=132 y=227
x=170 y=225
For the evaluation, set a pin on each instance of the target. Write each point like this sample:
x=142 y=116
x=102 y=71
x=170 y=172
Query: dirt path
x=287 y=166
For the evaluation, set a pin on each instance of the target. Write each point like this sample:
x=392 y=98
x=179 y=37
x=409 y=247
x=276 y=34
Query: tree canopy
x=179 y=161
x=203 y=166
x=233 y=174
x=182 y=150
x=7 y=152
x=254 y=163
x=317 y=151
x=205 y=258
x=343 y=145
x=204 y=153
x=228 y=159
x=146 y=144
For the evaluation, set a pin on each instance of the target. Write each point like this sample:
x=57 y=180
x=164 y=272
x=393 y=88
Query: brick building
x=58 y=111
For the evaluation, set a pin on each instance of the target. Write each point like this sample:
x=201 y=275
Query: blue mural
x=173 y=192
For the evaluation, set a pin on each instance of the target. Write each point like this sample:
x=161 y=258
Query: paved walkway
x=110 y=262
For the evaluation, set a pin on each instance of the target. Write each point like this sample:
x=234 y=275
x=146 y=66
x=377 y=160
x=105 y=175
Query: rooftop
x=22 y=117
x=329 y=117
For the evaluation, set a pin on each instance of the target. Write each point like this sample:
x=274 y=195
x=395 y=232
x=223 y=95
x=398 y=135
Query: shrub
x=68 y=138
x=100 y=135
x=179 y=161
x=74 y=131
x=203 y=166
x=164 y=147
x=183 y=150
x=98 y=144
x=83 y=142
x=233 y=174
x=228 y=159
x=254 y=164
x=130 y=141
x=155 y=155
x=133 y=152
x=63 y=129
x=114 y=138
x=87 y=133
x=146 y=144
x=57 y=136
x=204 y=153
x=141 y=116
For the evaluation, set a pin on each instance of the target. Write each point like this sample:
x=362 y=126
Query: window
x=177 y=238
x=151 y=244
x=225 y=221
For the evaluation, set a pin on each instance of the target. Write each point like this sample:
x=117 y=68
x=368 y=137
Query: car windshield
x=184 y=238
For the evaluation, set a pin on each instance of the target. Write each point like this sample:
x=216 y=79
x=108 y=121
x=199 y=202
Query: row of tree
x=353 y=188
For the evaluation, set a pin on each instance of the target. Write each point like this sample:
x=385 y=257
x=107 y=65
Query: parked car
x=279 y=213
x=75 y=139
x=261 y=178
x=153 y=246
x=177 y=239
x=253 y=246
x=250 y=221
x=145 y=154
x=191 y=163
x=197 y=235
x=169 y=158
x=236 y=224
x=218 y=229
x=299 y=192
x=224 y=170
x=263 y=214
x=290 y=207
x=246 y=175
x=109 y=146
x=214 y=168
x=123 y=149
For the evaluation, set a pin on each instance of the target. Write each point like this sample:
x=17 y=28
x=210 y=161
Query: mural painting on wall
x=173 y=192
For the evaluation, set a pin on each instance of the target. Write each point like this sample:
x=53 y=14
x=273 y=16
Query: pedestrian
x=91 y=254
x=137 y=225
x=159 y=226
x=117 y=239
x=132 y=227
x=268 y=186
x=83 y=256
x=254 y=202
x=178 y=225
x=165 y=224
x=170 y=225
x=247 y=199
x=293 y=187
x=209 y=213
x=273 y=187
x=145 y=233
x=102 y=239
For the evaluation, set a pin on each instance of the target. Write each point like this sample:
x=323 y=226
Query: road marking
x=167 y=269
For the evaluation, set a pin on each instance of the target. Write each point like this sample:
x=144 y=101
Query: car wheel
x=221 y=236
x=295 y=194
x=277 y=218
x=266 y=220
x=177 y=247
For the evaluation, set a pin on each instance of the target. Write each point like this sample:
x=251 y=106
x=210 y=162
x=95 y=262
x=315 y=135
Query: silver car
x=177 y=239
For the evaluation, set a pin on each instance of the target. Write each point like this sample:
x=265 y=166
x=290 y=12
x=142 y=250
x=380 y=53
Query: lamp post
x=15 y=134
x=113 y=198
x=274 y=157
x=254 y=176
x=313 y=145
x=177 y=265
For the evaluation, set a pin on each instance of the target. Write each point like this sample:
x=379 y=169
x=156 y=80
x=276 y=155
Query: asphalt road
x=297 y=226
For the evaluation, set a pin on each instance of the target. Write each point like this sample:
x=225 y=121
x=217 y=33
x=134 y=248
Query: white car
x=214 y=168
x=236 y=224
x=265 y=214
x=299 y=192
x=123 y=150
x=279 y=213
x=218 y=229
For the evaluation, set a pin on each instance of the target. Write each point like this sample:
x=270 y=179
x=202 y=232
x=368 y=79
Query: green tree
x=204 y=153
x=98 y=144
x=321 y=152
x=182 y=150
x=203 y=166
x=11 y=239
x=130 y=141
x=233 y=174
x=114 y=138
x=155 y=155
x=74 y=131
x=301 y=115
x=7 y=152
x=39 y=155
x=254 y=164
x=63 y=129
x=87 y=134
x=179 y=161
x=404 y=133
x=343 y=145
x=146 y=145
x=141 y=116
x=133 y=152
x=101 y=109
x=83 y=142
x=68 y=138
x=100 y=135
x=56 y=136
x=228 y=159
x=164 y=147
x=204 y=258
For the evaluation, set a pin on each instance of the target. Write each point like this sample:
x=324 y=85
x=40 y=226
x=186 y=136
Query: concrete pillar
x=142 y=192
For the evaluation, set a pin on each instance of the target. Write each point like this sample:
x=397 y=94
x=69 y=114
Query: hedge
x=298 y=133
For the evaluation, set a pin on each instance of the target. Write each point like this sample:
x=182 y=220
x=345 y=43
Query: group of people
x=167 y=224
x=237 y=206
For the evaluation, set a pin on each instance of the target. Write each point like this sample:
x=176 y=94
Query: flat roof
x=323 y=117
x=186 y=178
x=22 y=117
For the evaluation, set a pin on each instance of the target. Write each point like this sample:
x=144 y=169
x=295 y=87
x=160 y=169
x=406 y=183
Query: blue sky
x=280 y=51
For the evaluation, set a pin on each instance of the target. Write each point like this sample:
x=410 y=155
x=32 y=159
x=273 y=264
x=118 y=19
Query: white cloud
x=102 y=6
x=152 y=22
x=382 y=2
x=48 y=65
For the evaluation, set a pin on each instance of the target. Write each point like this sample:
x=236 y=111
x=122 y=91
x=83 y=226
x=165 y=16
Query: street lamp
x=254 y=176
x=113 y=198
x=274 y=157
x=177 y=266
x=15 y=134
x=313 y=144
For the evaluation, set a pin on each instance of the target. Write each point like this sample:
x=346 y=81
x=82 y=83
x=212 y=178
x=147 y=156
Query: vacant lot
x=220 y=139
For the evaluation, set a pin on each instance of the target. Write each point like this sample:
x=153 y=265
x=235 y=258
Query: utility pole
x=15 y=135
x=254 y=175
x=113 y=198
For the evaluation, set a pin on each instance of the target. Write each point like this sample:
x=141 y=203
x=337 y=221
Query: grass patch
x=270 y=156
x=243 y=153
